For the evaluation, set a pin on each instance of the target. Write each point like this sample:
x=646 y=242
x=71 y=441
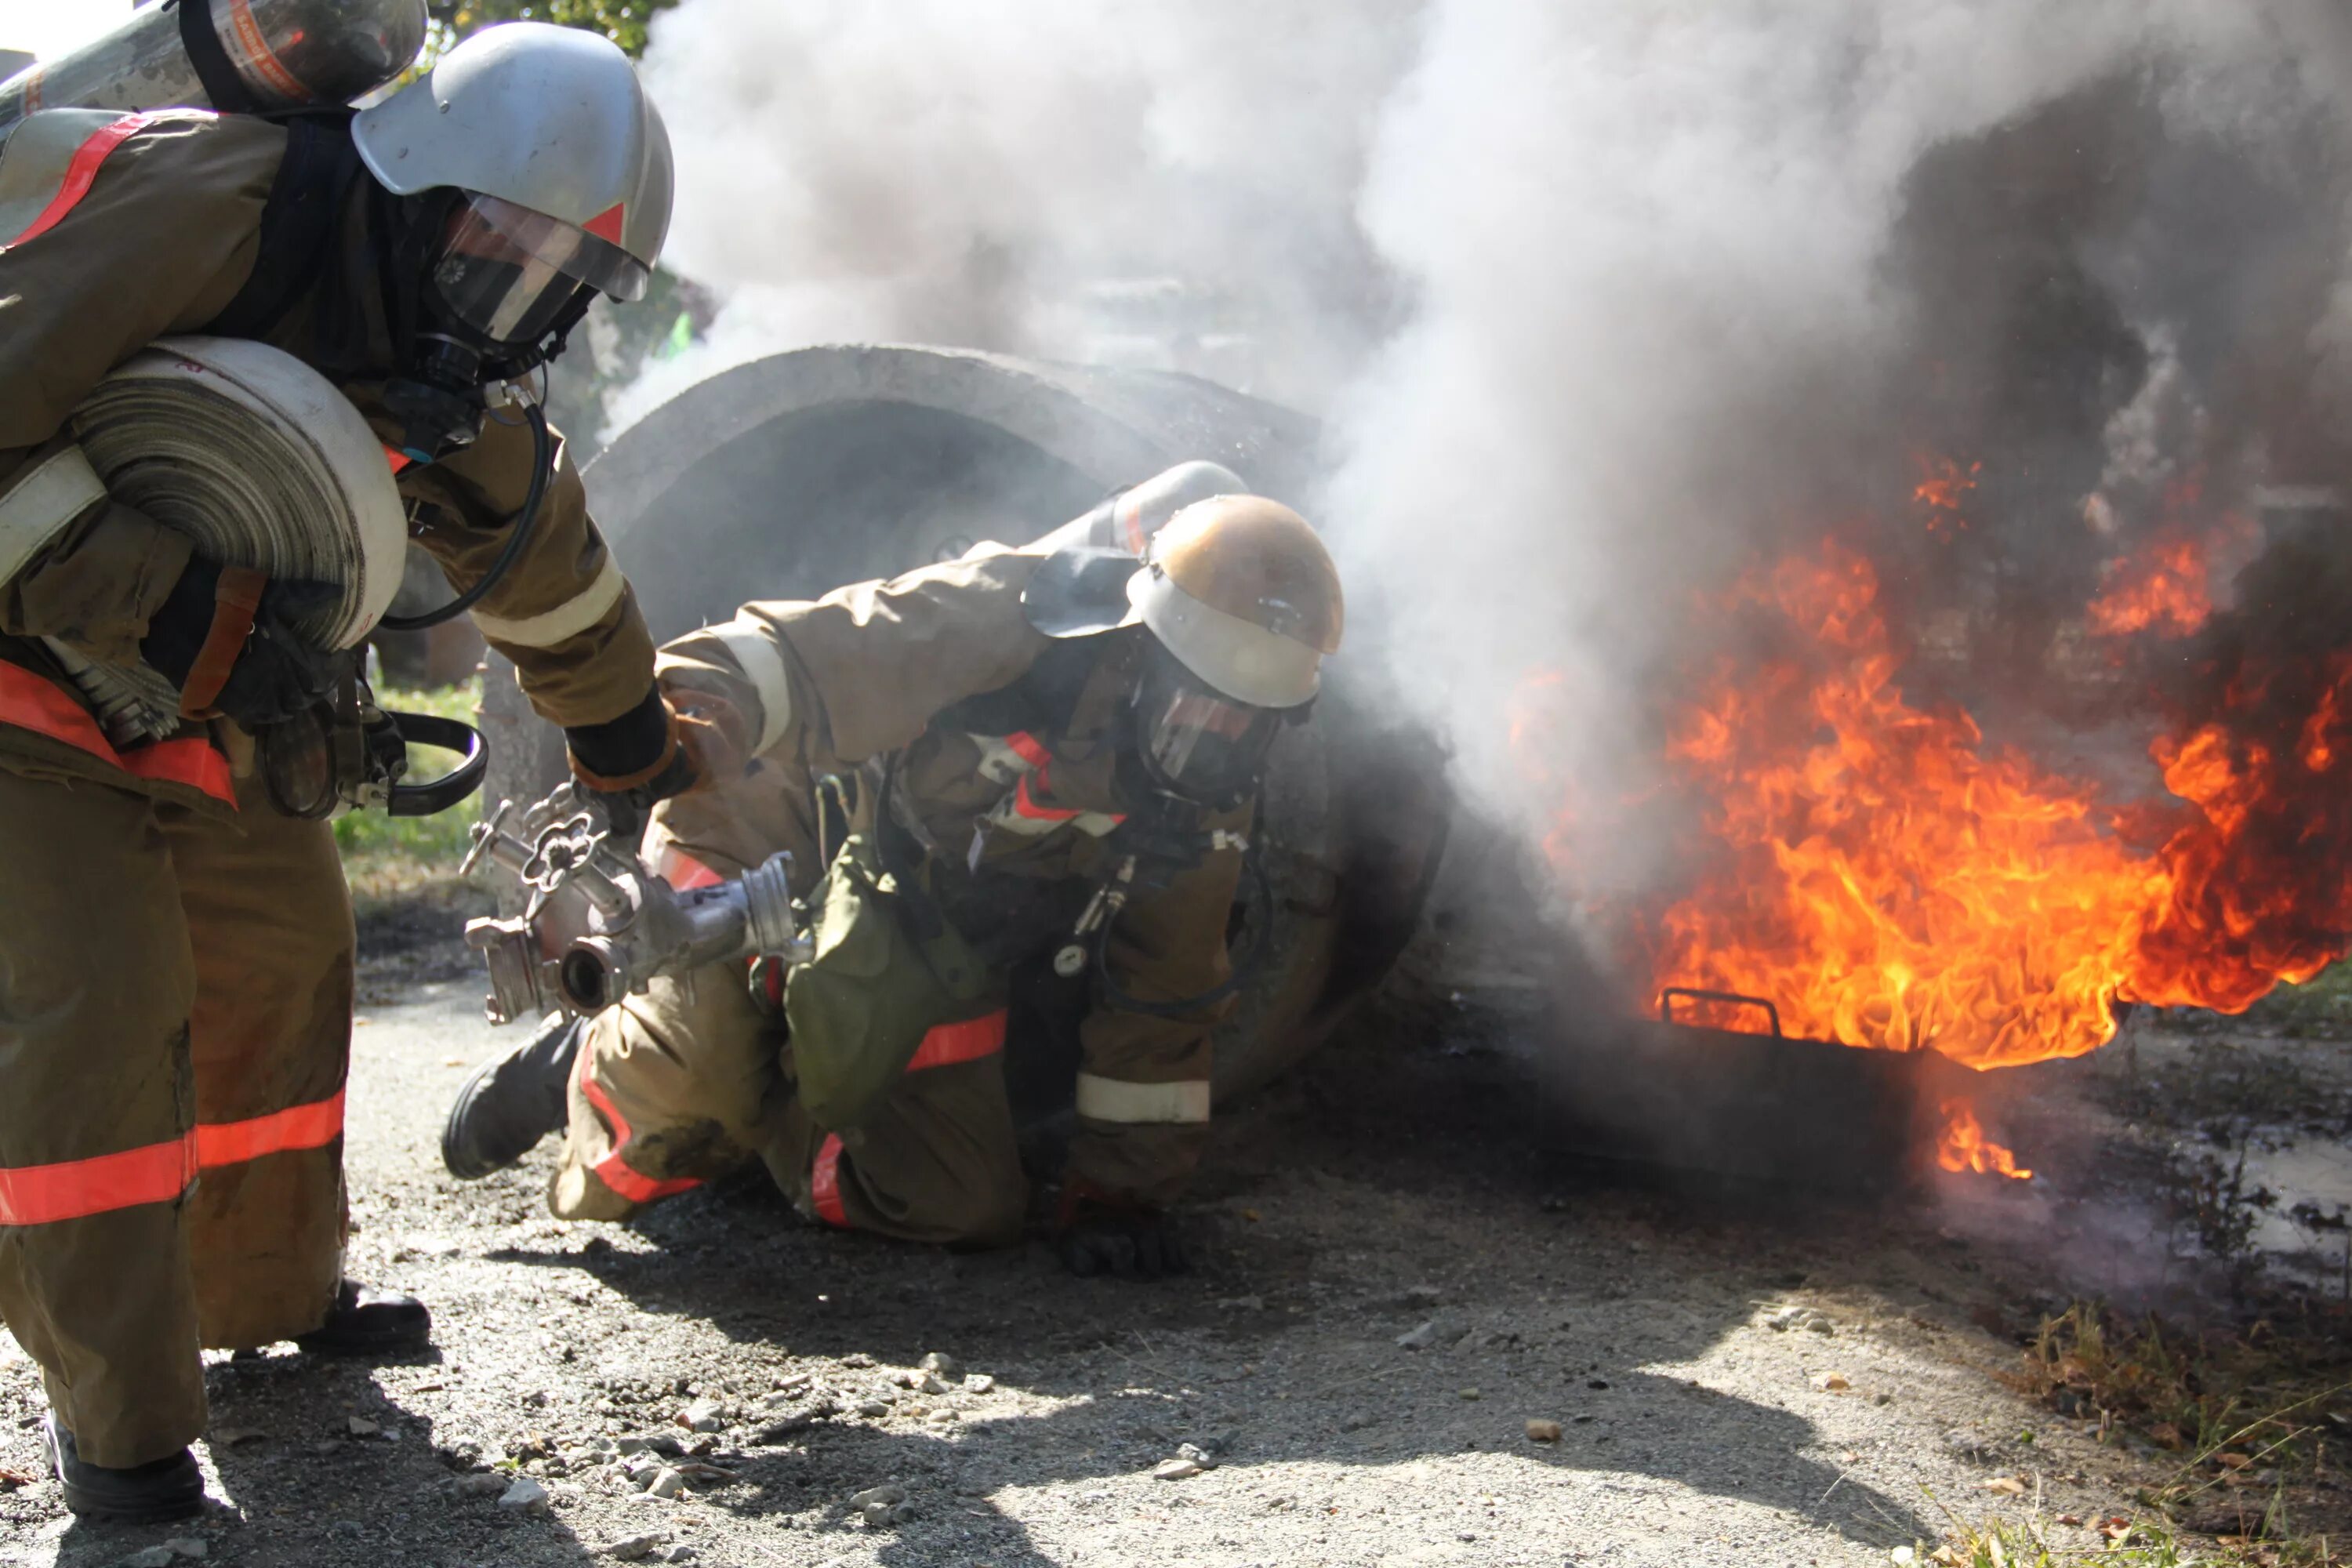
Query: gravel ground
x=1396 y=1286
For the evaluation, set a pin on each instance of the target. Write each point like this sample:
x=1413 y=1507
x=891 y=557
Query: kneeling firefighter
x=175 y=937
x=1015 y=762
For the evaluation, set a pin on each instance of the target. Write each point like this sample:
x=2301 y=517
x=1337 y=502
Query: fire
x=1942 y=487
x=2163 y=592
x=1890 y=879
x=1965 y=1148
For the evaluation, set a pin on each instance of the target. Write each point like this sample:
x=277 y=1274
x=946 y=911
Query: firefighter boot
x=511 y=1101
x=159 y=1489
x=365 y=1321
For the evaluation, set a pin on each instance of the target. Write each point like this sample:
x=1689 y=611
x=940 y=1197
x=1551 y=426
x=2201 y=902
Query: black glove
x=1097 y=1235
x=633 y=761
x=277 y=673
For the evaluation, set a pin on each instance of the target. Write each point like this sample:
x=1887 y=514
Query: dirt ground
x=1396 y=1279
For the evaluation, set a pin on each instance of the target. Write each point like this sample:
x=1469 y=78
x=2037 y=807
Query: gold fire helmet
x=1243 y=593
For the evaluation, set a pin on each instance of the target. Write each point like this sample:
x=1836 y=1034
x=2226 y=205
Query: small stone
x=1543 y=1431
x=979 y=1382
x=1596 y=1383
x=1882 y=1399
x=635 y=1547
x=1359 y=1421
x=525 y=1496
x=1243 y=1304
x=1176 y=1469
x=677 y=1554
x=152 y=1557
x=942 y=1365
x=1197 y=1455
x=873 y=1408
x=193 y=1547
x=884 y=1496
x=230 y=1436
x=490 y=1483
x=1420 y=1297
x=704 y=1416
x=1832 y=1383
x=1435 y=1334
x=666 y=1483
x=359 y=1428
x=1470 y=1393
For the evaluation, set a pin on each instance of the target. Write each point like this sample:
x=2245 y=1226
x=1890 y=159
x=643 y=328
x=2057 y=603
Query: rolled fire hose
x=261 y=462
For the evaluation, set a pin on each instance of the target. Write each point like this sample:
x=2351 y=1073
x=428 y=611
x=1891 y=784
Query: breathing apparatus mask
x=1193 y=743
x=483 y=291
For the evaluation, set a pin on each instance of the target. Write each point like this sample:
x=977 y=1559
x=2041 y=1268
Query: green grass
x=2323 y=1008
x=397 y=857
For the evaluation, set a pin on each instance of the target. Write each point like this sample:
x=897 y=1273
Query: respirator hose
x=542 y=463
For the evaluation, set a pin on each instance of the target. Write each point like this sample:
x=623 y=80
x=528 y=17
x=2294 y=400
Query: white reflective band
x=568 y=619
x=1110 y=1099
x=36 y=507
x=755 y=647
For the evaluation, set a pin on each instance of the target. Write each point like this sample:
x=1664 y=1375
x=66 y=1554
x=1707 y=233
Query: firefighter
x=1010 y=730
x=176 y=957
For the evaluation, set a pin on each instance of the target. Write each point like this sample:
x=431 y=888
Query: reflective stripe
x=682 y=871
x=610 y=1170
x=568 y=619
x=82 y=173
x=973 y=1039
x=75 y=1189
x=1112 y=1100
x=1025 y=805
x=1028 y=748
x=30 y=702
x=397 y=459
x=51 y=494
x=763 y=663
x=311 y=1126
x=825 y=1182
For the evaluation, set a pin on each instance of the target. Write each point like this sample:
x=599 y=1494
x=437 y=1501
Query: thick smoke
x=1605 y=303
x=1054 y=177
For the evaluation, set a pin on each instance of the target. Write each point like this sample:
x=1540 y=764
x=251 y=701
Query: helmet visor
x=1197 y=744
x=508 y=272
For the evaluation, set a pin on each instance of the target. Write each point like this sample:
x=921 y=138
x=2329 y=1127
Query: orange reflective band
x=76 y=1189
x=311 y=1126
x=31 y=703
x=683 y=873
x=82 y=173
x=1028 y=748
x=825 y=1182
x=967 y=1041
x=610 y=1170
x=1025 y=804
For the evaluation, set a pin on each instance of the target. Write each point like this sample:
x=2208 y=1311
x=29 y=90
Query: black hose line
x=518 y=535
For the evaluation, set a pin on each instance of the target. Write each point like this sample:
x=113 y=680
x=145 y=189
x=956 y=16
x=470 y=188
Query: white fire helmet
x=563 y=159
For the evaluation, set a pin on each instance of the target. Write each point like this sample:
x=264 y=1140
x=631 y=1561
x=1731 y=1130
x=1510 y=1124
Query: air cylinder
x=239 y=56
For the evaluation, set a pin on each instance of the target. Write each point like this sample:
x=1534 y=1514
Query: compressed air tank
x=237 y=56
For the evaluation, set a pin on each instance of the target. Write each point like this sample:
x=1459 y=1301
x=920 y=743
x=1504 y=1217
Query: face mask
x=1194 y=743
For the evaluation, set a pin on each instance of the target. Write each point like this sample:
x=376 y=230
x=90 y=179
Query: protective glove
x=633 y=761
x=225 y=638
x=1096 y=1234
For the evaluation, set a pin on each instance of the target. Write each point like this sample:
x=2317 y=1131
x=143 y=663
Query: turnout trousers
x=686 y=1082
x=176 y=1009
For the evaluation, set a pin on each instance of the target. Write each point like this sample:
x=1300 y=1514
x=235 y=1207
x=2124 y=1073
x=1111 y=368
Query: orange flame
x=1965 y=1148
x=1943 y=485
x=1889 y=880
x=2163 y=591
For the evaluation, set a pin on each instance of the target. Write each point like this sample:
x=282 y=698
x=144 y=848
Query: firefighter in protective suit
x=1019 y=723
x=175 y=956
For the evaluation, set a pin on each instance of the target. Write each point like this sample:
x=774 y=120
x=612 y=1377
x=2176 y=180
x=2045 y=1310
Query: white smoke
x=1017 y=174
x=1594 y=293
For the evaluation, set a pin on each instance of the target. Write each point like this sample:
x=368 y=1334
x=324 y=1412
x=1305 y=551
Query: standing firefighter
x=964 y=762
x=175 y=950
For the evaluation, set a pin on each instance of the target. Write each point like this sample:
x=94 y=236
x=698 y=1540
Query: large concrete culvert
x=798 y=473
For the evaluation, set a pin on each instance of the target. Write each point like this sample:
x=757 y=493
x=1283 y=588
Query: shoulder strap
x=298 y=224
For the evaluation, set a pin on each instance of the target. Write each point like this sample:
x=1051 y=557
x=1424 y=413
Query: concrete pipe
x=798 y=473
